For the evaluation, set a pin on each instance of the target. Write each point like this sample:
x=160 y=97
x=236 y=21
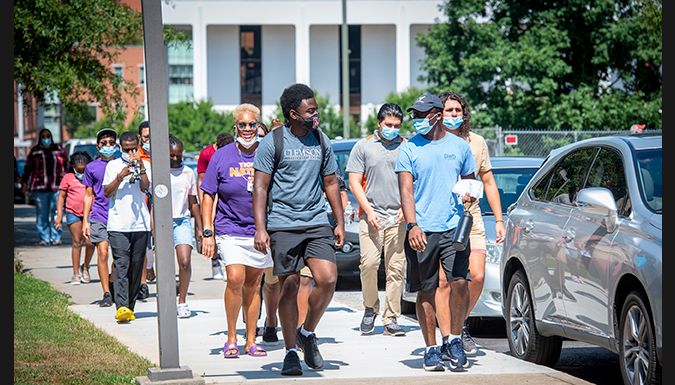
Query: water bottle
x=329 y=209
x=387 y=223
x=348 y=213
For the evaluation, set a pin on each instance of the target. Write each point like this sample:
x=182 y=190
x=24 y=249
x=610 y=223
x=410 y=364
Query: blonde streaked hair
x=246 y=107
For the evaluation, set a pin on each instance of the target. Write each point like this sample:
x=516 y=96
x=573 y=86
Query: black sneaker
x=270 y=336
x=107 y=300
x=292 y=365
x=394 y=329
x=309 y=346
x=456 y=354
x=468 y=342
x=144 y=292
x=368 y=321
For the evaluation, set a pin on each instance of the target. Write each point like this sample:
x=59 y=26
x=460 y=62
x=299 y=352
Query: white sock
x=305 y=332
x=292 y=350
x=429 y=347
x=452 y=337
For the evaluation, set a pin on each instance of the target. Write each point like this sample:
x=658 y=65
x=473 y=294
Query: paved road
x=349 y=356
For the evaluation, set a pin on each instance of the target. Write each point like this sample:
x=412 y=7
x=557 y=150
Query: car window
x=342 y=158
x=565 y=180
x=510 y=183
x=608 y=172
x=651 y=185
x=89 y=148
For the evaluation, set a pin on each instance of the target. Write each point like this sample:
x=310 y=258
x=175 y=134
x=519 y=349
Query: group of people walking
x=262 y=212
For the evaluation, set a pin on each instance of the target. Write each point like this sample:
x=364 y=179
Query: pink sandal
x=231 y=346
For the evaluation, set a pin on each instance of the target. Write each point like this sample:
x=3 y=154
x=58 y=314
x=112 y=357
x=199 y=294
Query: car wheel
x=525 y=342
x=637 y=345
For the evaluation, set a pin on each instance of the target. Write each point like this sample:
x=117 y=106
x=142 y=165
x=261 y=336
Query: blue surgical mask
x=146 y=146
x=389 y=133
x=107 y=151
x=452 y=123
x=79 y=176
x=422 y=126
x=46 y=142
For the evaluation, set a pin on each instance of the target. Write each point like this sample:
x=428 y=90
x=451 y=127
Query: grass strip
x=53 y=345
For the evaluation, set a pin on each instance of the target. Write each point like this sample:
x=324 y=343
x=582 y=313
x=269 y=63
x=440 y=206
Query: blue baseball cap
x=426 y=102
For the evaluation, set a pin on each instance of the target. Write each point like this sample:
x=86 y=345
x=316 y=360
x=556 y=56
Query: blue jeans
x=45 y=211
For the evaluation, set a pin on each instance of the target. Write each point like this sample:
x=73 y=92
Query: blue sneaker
x=456 y=354
x=432 y=360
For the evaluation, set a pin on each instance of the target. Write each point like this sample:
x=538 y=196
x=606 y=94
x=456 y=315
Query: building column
x=199 y=74
x=302 y=48
x=402 y=53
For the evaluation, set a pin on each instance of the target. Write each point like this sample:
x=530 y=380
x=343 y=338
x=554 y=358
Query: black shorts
x=291 y=247
x=422 y=267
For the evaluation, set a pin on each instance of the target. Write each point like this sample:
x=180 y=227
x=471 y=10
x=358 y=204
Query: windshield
x=649 y=163
x=510 y=182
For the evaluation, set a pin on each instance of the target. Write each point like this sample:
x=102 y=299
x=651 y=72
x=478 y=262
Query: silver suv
x=582 y=256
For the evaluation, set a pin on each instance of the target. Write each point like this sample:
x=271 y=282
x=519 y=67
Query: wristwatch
x=207 y=233
x=411 y=225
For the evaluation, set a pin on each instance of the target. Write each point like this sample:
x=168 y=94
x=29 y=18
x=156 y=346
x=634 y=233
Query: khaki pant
x=371 y=242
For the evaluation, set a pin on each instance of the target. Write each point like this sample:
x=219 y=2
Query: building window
x=141 y=75
x=250 y=64
x=354 y=48
x=118 y=70
x=181 y=60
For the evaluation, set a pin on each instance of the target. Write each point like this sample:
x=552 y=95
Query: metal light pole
x=156 y=83
x=345 y=72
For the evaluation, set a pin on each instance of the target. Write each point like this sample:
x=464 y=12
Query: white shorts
x=235 y=250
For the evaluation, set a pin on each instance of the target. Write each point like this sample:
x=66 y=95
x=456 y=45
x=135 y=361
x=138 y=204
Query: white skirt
x=235 y=250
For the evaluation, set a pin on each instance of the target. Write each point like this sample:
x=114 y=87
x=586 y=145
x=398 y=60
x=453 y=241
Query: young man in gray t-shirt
x=297 y=230
x=373 y=160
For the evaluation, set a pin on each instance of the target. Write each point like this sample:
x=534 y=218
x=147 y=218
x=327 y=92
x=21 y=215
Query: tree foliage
x=197 y=124
x=574 y=64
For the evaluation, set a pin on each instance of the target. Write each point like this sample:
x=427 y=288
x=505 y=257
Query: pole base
x=173 y=376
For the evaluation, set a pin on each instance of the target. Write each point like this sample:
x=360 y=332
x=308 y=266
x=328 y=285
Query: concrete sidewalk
x=349 y=356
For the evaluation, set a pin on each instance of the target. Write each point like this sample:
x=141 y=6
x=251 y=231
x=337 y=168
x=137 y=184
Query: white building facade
x=249 y=51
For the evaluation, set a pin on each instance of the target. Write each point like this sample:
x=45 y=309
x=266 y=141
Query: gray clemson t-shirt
x=297 y=196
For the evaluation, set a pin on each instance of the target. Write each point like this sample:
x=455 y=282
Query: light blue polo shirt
x=435 y=167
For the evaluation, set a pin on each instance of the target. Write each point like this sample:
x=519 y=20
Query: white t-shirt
x=183 y=183
x=128 y=211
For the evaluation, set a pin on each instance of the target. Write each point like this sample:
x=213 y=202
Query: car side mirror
x=599 y=200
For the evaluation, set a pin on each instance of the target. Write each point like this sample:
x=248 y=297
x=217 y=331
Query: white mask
x=246 y=144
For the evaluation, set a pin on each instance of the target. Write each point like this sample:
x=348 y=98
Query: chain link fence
x=537 y=142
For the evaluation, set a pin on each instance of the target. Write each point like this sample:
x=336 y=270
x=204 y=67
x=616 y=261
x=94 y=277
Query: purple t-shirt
x=228 y=175
x=93 y=177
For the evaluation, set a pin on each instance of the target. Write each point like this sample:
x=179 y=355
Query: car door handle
x=569 y=235
x=528 y=226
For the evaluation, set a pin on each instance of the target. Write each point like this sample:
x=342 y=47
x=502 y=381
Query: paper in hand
x=472 y=186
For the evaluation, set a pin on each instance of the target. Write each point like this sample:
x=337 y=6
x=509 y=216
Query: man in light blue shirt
x=428 y=166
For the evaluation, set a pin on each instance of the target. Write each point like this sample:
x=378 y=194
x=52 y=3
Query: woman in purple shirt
x=230 y=176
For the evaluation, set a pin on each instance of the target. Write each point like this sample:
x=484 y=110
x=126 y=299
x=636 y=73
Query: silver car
x=582 y=256
x=511 y=175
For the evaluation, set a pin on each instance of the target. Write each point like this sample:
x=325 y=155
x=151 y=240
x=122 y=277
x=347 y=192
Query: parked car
x=511 y=175
x=582 y=258
x=19 y=197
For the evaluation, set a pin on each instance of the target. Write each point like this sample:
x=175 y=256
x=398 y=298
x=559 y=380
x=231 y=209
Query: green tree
x=404 y=100
x=197 y=125
x=67 y=47
x=534 y=64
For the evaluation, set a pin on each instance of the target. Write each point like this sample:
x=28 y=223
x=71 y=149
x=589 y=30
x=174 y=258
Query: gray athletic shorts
x=292 y=247
x=98 y=232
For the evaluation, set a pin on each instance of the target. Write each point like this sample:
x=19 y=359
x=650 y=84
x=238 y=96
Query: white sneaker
x=216 y=270
x=183 y=310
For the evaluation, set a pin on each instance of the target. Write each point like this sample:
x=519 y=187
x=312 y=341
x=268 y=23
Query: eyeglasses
x=243 y=125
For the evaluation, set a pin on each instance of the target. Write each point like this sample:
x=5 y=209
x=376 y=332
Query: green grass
x=53 y=345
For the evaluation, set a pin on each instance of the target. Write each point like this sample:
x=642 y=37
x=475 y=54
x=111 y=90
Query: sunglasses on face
x=104 y=143
x=419 y=115
x=243 y=125
x=128 y=149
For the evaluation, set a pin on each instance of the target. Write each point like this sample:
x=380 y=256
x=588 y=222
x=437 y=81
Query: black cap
x=426 y=102
x=106 y=131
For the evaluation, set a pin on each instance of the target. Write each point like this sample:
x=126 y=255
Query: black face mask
x=175 y=163
x=311 y=123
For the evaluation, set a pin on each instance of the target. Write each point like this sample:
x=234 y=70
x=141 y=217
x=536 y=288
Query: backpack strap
x=278 y=136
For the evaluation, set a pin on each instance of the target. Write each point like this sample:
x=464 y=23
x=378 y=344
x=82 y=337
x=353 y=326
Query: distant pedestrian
x=296 y=229
x=144 y=152
x=46 y=165
x=381 y=225
x=230 y=176
x=126 y=181
x=183 y=202
x=96 y=204
x=71 y=198
x=203 y=160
